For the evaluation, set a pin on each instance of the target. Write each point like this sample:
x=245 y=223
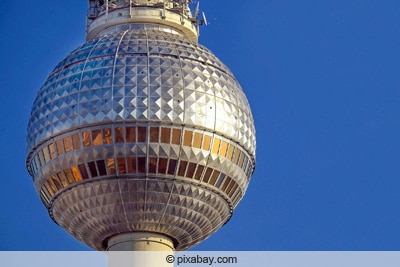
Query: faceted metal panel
x=141 y=130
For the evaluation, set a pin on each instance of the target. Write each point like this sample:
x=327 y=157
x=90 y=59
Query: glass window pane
x=229 y=188
x=67 y=144
x=130 y=134
x=107 y=136
x=172 y=166
x=41 y=158
x=97 y=138
x=162 y=165
x=76 y=173
x=132 y=165
x=190 y=170
x=69 y=176
x=236 y=156
x=152 y=165
x=182 y=168
x=165 y=135
x=49 y=188
x=84 y=172
x=224 y=147
x=216 y=146
x=197 y=140
x=176 y=136
x=233 y=190
x=60 y=147
x=154 y=132
x=76 y=141
x=101 y=166
x=230 y=152
x=121 y=165
x=199 y=171
x=52 y=185
x=226 y=183
x=52 y=151
x=56 y=182
x=110 y=163
x=214 y=177
x=46 y=154
x=142 y=133
x=220 y=180
x=86 y=139
x=206 y=142
x=141 y=165
x=62 y=178
x=119 y=135
x=207 y=175
x=92 y=168
x=187 y=138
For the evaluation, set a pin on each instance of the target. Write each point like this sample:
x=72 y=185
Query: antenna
x=203 y=19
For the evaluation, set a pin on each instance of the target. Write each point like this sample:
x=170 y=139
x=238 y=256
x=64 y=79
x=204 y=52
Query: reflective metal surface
x=141 y=130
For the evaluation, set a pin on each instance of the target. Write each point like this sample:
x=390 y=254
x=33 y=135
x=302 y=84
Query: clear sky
x=322 y=78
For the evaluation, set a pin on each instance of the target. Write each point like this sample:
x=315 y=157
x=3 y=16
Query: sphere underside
x=141 y=130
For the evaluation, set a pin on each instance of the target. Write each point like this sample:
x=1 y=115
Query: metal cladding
x=141 y=130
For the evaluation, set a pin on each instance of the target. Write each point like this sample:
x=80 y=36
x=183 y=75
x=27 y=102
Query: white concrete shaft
x=142 y=249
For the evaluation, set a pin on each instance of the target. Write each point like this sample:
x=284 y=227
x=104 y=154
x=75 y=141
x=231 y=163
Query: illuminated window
x=46 y=154
x=96 y=137
x=142 y=133
x=206 y=142
x=62 y=178
x=76 y=142
x=110 y=164
x=67 y=144
x=199 y=171
x=187 y=138
x=154 y=133
x=54 y=180
x=86 y=139
x=182 y=168
x=52 y=151
x=76 y=173
x=162 y=165
x=172 y=166
x=107 y=136
x=152 y=165
x=119 y=135
x=141 y=164
x=92 y=168
x=224 y=147
x=216 y=146
x=54 y=186
x=176 y=136
x=165 y=135
x=197 y=140
x=190 y=170
x=60 y=147
x=68 y=174
x=131 y=164
x=50 y=189
x=83 y=170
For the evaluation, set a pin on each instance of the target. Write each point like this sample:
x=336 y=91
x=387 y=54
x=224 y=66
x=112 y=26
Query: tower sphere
x=141 y=129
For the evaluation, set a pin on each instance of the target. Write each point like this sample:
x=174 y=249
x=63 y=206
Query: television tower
x=141 y=139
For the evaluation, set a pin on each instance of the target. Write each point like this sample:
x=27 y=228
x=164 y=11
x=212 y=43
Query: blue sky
x=322 y=78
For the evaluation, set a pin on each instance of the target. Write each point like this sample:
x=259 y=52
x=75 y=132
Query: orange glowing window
x=97 y=138
x=215 y=147
x=46 y=154
x=230 y=152
x=110 y=164
x=121 y=165
x=67 y=144
x=52 y=151
x=206 y=142
x=76 y=173
x=70 y=177
x=197 y=140
x=86 y=139
x=107 y=136
x=60 y=147
x=187 y=138
x=224 y=147
x=61 y=177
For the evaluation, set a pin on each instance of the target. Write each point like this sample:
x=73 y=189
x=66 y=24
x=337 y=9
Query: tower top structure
x=104 y=15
